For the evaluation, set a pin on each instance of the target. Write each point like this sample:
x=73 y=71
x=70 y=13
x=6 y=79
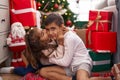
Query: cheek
x=54 y=36
x=46 y=38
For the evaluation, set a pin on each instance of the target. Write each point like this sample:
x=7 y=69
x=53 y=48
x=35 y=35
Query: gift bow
x=98 y=20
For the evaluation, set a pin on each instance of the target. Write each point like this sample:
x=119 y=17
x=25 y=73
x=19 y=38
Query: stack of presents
x=23 y=11
x=99 y=39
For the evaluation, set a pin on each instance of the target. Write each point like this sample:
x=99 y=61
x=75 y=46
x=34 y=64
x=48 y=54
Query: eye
x=53 y=28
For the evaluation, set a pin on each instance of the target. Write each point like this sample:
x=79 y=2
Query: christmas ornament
x=68 y=23
x=38 y=4
x=56 y=6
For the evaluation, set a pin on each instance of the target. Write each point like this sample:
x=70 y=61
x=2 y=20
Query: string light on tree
x=66 y=13
x=51 y=8
x=58 y=1
x=63 y=0
x=57 y=6
x=42 y=1
x=53 y=1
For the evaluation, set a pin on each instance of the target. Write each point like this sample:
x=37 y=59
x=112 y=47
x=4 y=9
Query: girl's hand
x=60 y=38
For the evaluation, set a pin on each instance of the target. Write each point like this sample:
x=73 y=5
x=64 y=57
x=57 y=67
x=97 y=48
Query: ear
x=62 y=27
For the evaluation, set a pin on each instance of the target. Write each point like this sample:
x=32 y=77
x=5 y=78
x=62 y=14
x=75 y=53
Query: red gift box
x=25 y=13
x=104 y=41
x=100 y=20
x=22 y=4
x=32 y=76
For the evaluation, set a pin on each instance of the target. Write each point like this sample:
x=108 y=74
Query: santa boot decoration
x=14 y=62
x=20 y=60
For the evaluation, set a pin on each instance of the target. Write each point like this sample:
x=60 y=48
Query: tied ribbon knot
x=97 y=21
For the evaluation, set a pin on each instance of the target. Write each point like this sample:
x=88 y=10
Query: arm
x=68 y=53
x=82 y=75
x=58 y=53
x=24 y=59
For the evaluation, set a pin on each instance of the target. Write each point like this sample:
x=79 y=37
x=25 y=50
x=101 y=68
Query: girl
x=37 y=43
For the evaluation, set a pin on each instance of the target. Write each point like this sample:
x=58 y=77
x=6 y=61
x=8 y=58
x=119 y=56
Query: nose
x=50 y=34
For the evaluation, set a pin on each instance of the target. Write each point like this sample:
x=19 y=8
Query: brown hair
x=35 y=46
x=54 y=17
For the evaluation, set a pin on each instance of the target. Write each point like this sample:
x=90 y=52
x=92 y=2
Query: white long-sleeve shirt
x=75 y=55
x=58 y=53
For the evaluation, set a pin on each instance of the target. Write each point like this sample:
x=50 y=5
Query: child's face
x=53 y=30
x=43 y=35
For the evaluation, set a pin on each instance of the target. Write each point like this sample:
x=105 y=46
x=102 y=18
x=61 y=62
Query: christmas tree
x=59 y=6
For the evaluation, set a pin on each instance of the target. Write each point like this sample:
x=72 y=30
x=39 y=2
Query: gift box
x=32 y=76
x=100 y=20
x=101 y=61
x=82 y=34
x=25 y=4
x=25 y=13
x=102 y=74
x=104 y=41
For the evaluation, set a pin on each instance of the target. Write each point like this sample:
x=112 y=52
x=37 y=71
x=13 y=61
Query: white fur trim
x=19 y=59
x=23 y=10
x=14 y=60
x=17 y=44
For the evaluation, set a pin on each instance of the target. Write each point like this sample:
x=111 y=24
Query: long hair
x=35 y=46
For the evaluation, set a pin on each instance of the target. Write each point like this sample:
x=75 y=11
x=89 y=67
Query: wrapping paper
x=25 y=13
x=100 y=20
x=101 y=61
x=104 y=41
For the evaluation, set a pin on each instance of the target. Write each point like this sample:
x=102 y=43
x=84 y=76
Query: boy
x=76 y=59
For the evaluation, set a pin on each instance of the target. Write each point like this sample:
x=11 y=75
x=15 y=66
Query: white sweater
x=75 y=55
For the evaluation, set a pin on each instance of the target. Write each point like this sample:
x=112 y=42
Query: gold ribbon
x=97 y=21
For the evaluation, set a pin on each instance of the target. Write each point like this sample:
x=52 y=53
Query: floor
x=10 y=77
x=16 y=77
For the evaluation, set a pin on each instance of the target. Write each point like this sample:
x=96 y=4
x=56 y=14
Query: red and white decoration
x=25 y=13
x=16 y=43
